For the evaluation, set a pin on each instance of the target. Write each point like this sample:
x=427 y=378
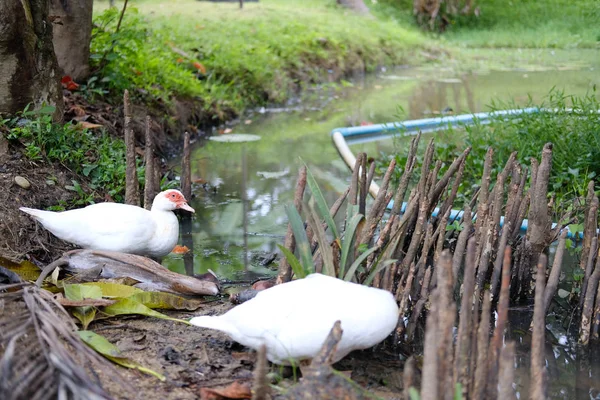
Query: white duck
x=119 y=227
x=292 y=320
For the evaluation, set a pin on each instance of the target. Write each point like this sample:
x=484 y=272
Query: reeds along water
x=483 y=265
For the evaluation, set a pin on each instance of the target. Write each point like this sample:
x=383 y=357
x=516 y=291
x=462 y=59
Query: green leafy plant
x=99 y=157
x=352 y=255
x=571 y=124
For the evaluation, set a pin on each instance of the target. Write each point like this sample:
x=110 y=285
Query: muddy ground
x=192 y=358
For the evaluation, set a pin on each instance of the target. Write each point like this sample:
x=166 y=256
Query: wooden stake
x=149 y=190
x=537 y=389
x=132 y=194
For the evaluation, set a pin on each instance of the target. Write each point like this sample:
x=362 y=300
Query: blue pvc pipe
x=429 y=124
x=412 y=127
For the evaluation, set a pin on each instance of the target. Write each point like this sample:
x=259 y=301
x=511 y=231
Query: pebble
x=24 y=183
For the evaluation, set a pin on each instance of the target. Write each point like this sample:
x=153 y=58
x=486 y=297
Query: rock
x=24 y=183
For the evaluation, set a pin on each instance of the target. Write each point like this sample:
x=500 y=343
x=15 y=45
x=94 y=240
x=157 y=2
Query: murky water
x=289 y=139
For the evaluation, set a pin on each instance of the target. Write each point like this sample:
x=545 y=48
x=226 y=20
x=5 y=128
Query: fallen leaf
x=109 y=289
x=166 y=301
x=66 y=79
x=180 y=249
x=87 y=125
x=200 y=181
x=263 y=284
x=85 y=302
x=26 y=269
x=227 y=130
x=77 y=110
x=76 y=292
x=237 y=390
x=248 y=121
x=179 y=60
x=130 y=306
x=112 y=352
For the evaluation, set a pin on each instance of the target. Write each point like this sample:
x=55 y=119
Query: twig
x=483 y=337
x=132 y=195
x=186 y=172
x=537 y=389
x=555 y=273
x=507 y=372
x=149 y=190
x=260 y=387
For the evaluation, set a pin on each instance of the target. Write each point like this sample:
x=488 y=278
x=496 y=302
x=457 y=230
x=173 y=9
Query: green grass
x=575 y=137
x=98 y=157
x=516 y=23
x=260 y=54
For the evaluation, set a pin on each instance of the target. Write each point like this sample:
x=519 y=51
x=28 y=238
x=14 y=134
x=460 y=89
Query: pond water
x=300 y=135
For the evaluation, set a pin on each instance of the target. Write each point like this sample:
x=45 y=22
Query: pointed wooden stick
x=507 y=372
x=132 y=194
x=149 y=190
x=537 y=389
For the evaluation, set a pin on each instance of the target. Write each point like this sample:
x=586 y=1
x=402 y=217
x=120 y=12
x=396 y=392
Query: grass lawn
x=247 y=57
x=515 y=23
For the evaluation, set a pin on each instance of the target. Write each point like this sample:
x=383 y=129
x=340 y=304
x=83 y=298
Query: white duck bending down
x=119 y=227
x=292 y=320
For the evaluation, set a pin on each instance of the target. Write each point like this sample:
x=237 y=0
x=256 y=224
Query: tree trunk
x=72 y=35
x=356 y=5
x=28 y=68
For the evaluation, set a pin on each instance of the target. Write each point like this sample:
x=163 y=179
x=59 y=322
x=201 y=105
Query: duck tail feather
x=213 y=323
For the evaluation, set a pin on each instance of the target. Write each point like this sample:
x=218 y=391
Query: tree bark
x=72 y=35
x=356 y=5
x=28 y=68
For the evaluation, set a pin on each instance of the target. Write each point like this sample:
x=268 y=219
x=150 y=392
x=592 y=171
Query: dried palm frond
x=40 y=355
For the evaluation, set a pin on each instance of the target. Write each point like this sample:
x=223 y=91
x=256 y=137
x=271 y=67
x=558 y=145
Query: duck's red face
x=177 y=198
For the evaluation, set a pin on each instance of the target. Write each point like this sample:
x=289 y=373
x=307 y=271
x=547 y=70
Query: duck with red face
x=119 y=227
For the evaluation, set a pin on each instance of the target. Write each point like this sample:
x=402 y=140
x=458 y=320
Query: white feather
x=293 y=319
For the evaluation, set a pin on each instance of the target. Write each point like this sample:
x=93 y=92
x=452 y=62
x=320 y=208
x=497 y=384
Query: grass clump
x=516 y=23
x=229 y=58
x=99 y=157
x=571 y=124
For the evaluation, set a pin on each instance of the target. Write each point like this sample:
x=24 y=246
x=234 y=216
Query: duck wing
x=102 y=226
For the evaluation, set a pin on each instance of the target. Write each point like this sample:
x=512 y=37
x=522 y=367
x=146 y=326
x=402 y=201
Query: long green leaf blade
x=324 y=246
x=321 y=203
x=293 y=261
x=376 y=269
x=130 y=306
x=348 y=242
x=301 y=240
x=359 y=261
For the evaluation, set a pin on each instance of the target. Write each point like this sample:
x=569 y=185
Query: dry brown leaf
x=87 y=125
x=236 y=390
x=77 y=110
